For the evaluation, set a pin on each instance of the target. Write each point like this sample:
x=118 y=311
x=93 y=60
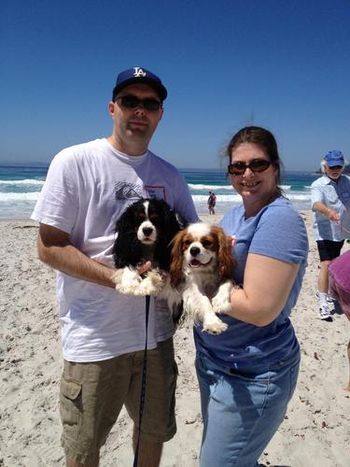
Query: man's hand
x=333 y=216
x=144 y=267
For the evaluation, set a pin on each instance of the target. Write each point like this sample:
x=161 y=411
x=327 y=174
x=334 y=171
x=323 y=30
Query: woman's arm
x=266 y=287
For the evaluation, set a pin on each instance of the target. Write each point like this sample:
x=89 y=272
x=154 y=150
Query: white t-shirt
x=87 y=188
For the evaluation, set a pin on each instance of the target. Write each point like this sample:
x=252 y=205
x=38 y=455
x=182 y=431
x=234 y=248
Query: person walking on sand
x=330 y=200
x=88 y=187
x=211 y=202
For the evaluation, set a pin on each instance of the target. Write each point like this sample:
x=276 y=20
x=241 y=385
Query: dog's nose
x=195 y=251
x=147 y=231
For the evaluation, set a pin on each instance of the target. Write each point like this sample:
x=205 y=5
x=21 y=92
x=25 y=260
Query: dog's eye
x=141 y=216
x=187 y=243
x=207 y=243
x=153 y=217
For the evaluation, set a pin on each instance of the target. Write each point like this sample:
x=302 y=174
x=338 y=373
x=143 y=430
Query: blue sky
x=280 y=64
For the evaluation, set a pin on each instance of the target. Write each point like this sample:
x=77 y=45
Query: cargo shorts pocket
x=70 y=401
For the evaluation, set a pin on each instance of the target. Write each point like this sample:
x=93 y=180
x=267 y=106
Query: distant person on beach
x=339 y=284
x=330 y=200
x=211 y=202
x=248 y=374
x=88 y=187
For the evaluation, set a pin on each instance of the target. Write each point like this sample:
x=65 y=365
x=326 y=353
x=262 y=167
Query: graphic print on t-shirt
x=157 y=192
x=130 y=191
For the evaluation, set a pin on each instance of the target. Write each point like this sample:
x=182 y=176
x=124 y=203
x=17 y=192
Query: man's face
x=134 y=126
x=334 y=172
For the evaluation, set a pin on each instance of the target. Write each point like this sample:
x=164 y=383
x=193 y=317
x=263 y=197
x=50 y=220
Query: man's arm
x=56 y=250
x=326 y=211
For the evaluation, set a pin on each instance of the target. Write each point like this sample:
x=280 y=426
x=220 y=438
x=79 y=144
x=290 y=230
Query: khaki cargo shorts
x=93 y=394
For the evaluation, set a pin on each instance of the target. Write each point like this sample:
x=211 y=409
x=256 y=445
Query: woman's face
x=254 y=187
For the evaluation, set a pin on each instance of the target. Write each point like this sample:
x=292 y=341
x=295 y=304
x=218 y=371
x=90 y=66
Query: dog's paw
x=157 y=280
x=221 y=304
x=127 y=281
x=130 y=289
x=215 y=327
x=221 y=301
x=117 y=277
x=152 y=284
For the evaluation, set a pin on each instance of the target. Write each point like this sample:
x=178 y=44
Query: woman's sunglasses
x=256 y=165
x=132 y=102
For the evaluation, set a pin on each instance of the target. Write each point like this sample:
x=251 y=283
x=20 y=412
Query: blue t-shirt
x=279 y=232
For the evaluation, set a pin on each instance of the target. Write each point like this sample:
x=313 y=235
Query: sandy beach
x=315 y=432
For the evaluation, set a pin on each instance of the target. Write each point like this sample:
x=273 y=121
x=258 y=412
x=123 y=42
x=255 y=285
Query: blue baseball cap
x=138 y=74
x=334 y=157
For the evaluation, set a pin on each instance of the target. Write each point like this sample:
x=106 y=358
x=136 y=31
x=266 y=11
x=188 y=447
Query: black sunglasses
x=256 y=165
x=131 y=102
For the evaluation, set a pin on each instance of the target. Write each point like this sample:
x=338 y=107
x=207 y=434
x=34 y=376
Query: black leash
x=143 y=386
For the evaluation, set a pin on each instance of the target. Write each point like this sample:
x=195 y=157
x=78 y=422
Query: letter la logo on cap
x=139 y=72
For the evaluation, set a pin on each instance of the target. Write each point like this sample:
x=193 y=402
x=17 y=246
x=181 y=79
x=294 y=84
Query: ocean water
x=295 y=186
x=20 y=187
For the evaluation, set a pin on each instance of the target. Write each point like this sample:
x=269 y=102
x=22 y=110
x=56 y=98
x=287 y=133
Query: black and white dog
x=145 y=231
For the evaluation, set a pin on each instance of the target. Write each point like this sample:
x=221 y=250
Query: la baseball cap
x=139 y=74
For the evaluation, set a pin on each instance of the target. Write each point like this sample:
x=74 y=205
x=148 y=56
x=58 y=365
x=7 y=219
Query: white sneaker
x=325 y=313
x=331 y=303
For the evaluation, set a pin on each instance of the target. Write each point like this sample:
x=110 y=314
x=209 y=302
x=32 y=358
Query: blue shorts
x=242 y=412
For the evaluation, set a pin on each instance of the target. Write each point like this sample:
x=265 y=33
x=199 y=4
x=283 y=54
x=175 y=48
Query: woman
x=248 y=374
x=339 y=281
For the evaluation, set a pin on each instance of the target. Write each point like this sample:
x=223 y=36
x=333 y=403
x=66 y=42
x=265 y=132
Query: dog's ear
x=171 y=223
x=125 y=221
x=176 y=259
x=126 y=248
x=181 y=221
x=226 y=261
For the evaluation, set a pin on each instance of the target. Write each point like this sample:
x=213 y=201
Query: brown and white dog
x=201 y=271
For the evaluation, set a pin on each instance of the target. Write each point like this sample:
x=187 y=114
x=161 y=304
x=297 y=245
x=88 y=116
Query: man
x=88 y=186
x=211 y=202
x=330 y=198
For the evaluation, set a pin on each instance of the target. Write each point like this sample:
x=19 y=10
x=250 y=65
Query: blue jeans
x=241 y=412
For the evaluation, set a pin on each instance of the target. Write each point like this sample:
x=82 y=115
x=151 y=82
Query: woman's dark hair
x=262 y=138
